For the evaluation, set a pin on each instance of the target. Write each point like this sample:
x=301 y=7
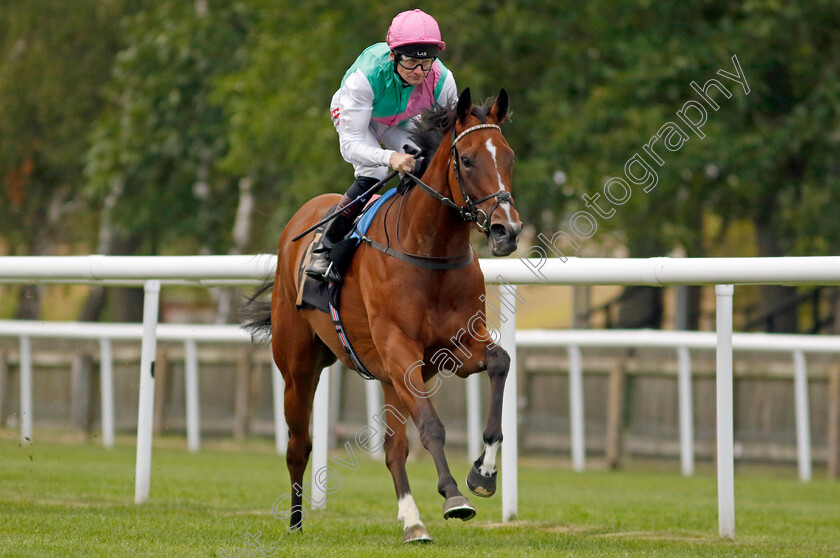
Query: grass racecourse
x=70 y=497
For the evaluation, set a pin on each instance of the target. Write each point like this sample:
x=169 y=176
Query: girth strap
x=334 y=304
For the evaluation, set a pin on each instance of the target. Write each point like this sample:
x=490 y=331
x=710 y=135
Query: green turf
x=63 y=498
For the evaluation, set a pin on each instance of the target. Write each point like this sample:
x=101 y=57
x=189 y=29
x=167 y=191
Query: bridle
x=470 y=212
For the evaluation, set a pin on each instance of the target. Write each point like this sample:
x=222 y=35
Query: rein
x=418 y=260
x=469 y=212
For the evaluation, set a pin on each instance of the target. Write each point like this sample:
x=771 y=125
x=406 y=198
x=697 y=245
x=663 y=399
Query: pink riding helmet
x=414 y=27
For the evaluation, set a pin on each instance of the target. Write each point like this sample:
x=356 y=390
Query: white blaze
x=492 y=149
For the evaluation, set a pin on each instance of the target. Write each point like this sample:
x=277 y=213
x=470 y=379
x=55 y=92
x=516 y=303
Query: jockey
x=387 y=86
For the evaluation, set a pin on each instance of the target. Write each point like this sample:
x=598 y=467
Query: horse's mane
x=437 y=121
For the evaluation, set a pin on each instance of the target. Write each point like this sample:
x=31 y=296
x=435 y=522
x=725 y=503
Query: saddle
x=313 y=292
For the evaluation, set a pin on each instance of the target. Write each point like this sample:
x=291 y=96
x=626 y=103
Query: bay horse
x=400 y=314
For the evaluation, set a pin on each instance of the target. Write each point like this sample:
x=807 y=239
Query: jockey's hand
x=401 y=162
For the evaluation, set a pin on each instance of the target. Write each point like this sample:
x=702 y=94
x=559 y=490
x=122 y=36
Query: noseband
x=469 y=212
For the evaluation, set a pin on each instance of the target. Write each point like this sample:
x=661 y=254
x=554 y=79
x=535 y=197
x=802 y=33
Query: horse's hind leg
x=396 y=452
x=300 y=357
x=299 y=393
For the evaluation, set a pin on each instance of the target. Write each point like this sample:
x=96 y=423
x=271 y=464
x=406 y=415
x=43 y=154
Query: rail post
x=576 y=412
x=803 y=426
x=320 y=433
x=374 y=407
x=473 y=389
x=192 y=404
x=146 y=410
x=25 y=390
x=686 y=411
x=725 y=436
x=281 y=433
x=106 y=390
x=510 y=449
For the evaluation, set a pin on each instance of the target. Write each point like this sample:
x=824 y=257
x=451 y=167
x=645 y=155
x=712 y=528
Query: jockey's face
x=414 y=76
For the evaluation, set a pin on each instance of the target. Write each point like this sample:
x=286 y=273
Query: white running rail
x=156 y=271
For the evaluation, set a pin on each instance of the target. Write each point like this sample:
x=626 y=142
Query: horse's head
x=482 y=165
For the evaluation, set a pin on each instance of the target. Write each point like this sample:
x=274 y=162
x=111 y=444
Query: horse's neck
x=429 y=227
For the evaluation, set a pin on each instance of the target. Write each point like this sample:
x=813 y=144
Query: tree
x=621 y=71
x=159 y=142
x=46 y=103
x=209 y=104
x=277 y=104
x=152 y=164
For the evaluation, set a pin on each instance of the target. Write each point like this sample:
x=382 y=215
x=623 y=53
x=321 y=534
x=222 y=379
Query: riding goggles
x=410 y=63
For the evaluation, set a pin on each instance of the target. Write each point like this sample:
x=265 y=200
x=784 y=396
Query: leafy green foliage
x=203 y=94
x=622 y=71
x=54 y=60
x=277 y=104
x=160 y=140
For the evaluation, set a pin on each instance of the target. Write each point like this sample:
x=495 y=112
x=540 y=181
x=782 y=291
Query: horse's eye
x=466 y=161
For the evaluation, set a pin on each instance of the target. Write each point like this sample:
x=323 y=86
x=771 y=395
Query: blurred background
x=193 y=127
x=198 y=127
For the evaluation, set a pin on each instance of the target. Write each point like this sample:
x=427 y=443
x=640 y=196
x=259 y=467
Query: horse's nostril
x=498 y=230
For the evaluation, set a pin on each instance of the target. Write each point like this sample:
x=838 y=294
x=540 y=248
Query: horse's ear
x=464 y=108
x=500 y=107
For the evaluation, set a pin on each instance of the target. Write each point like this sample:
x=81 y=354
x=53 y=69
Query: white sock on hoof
x=488 y=466
x=408 y=514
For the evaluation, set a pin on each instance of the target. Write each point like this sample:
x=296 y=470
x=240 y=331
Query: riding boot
x=320 y=261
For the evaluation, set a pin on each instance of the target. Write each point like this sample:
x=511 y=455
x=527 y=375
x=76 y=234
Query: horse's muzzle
x=503 y=238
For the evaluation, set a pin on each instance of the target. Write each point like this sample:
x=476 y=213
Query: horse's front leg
x=396 y=452
x=481 y=479
x=405 y=367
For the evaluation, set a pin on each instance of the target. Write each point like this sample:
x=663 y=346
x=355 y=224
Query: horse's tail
x=255 y=313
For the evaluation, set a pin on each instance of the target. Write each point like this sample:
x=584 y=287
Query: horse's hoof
x=458 y=507
x=479 y=484
x=416 y=534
